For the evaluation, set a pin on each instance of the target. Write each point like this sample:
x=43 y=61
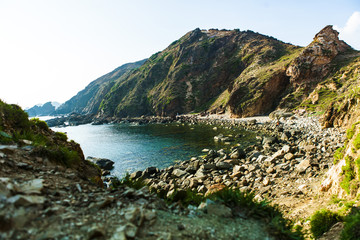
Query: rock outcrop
x=312 y=65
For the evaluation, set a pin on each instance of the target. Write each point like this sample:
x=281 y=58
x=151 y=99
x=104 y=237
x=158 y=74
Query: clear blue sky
x=50 y=50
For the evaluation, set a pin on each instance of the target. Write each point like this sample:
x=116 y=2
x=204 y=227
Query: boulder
x=302 y=166
x=178 y=173
x=103 y=163
x=223 y=165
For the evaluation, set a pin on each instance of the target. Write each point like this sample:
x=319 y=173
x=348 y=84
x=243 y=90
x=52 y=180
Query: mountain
x=198 y=72
x=88 y=100
x=45 y=109
x=242 y=73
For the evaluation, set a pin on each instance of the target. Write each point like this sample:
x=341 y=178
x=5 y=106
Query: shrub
x=13 y=116
x=321 y=221
x=351 y=229
x=39 y=123
x=127 y=181
x=244 y=202
x=59 y=154
x=349 y=174
x=62 y=136
x=357 y=141
x=339 y=154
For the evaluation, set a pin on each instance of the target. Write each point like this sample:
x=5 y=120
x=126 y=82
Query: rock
x=4 y=191
x=179 y=173
x=266 y=181
x=269 y=140
x=136 y=175
x=24 y=201
x=223 y=165
x=149 y=171
x=200 y=173
x=237 y=153
x=286 y=149
x=334 y=233
x=277 y=114
x=96 y=232
x=216 y=209
x=302 y=166
x=238 y=168
x=209 y=166
x=191 y=169
x=289 y=156
x=103 y=163
x=215 y=188
x=32 y=187
x=124 y=231
x=134 y=215
x=150 y=215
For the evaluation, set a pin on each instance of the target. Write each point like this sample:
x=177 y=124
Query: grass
x=339 y=154
x=349 y=175
x=321 y=221
x=351 y=229
x=356 y=141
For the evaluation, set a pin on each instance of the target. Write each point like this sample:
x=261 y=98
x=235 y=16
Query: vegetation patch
x=339 y=154
x=321 y=221
x=351 y=229
x=349 y=182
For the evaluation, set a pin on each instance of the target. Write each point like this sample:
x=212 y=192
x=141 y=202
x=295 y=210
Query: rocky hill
x=88 y=100
x=239 y=72
x=198 y=72
x=45 y=109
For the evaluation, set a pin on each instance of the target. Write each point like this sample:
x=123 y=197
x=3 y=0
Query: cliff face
x=88 y=100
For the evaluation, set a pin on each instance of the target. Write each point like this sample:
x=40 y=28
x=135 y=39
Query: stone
x=223 y=165
x=209 y=166
x=125 y=231
x=215 y=209
x=200 y=173
x=266 y=181
x=134 y=215
x=136 y=175
x=238 y=168
x=237 y=153
x=96 y=232
x=32 y=187
x=150 y=215
x=269 y=140
x=286 y=149
x=302 y=166
x=289 y=156
x=215 y=188
x=179 y=173
x=191 y=169
x=103 y=163
x=4 y=191
x=24 y=201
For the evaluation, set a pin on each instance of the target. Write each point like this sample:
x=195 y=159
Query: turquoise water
x=136 y=147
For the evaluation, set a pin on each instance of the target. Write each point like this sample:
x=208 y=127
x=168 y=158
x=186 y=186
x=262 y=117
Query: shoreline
x=285 y=167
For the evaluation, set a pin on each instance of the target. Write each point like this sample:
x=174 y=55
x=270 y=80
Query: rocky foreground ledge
x=43 y=200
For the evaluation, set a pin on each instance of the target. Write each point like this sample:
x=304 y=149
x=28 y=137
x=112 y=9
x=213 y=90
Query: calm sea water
x=136 y=147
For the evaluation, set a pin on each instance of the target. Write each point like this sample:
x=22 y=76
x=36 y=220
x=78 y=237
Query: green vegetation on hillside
x=15 y=127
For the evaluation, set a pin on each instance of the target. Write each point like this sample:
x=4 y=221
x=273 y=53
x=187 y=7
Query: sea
x=135 y=147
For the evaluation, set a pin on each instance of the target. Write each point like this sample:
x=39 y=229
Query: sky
x=52 y=49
